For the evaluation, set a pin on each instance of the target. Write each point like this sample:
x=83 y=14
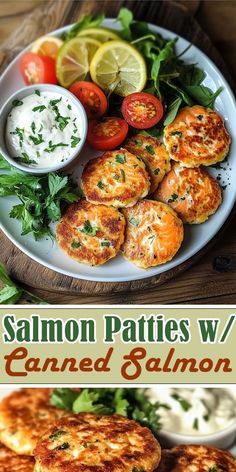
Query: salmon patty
x=91 y=443
x=91 y=234
x=197 y=137
x=24 y=416
x=154 y=155
x=196 y=459
x=116 y=178
x=154 y=234
x=192 y=193
x=12 y=462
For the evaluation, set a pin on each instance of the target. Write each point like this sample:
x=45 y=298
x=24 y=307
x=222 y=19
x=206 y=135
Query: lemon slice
x=101 y=34
x=74 y=58
x=47 y=45
x=118 y=67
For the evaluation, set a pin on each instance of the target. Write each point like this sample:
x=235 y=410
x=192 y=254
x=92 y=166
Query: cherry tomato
x=107 y=133
x=38 y=69
x=92 y=98
x=142 y=110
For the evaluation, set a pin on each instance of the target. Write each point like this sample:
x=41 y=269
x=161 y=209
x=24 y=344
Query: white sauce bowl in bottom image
x=204 y=416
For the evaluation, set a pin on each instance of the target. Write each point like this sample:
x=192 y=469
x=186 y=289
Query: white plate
x=6 y=391
x=196 y=237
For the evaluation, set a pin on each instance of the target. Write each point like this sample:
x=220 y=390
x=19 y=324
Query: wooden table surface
x=213 y=278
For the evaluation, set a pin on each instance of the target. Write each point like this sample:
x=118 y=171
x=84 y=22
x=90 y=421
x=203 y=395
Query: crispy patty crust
x=91 y=443
x=91 y=234
x=116 y=178
x=154 y=155
x=24 y=416
x=188 y=458
x=154 y=233
x=12 y=462
x=197 y=137
x=192 y=193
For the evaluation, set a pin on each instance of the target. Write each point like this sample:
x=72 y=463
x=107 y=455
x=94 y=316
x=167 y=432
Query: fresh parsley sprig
x=12 y=293
x=130 y=402
x=41 y=199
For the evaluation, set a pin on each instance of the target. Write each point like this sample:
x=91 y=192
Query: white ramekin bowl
x=222 y=439
x=24 y=92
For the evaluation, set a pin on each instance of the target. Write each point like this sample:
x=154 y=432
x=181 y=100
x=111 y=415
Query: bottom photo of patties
x=162 y=429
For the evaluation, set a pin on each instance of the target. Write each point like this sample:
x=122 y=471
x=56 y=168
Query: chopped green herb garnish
x=39 y=108
x=17 y=103
x=122 y=175
x=138 y=142
x=37 y=92
x=200 y=117
x=134 y=221
x=74 y=141
x=151 y=238
x=100 y=184
x=62 y=121
x=20 y=133
x=89 y=229
x=196 y=424
x=120 y=158
x=105 y=243
x=33 y=126
x=69 y=106
x=52 y=147
x=214 y=469
x=176 y=133
x=116 y=177
x=137 y=469
x=156 y=171
x=37 y=140
x=57 y=434
x=206 y=417
x=150 y=150
x=25 y=159
x=75 y=244
x=55 y=102
x=173 y=198
x=62 y=447
x=183 y=403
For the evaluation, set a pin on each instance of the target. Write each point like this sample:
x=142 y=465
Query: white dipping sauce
x=43 y=129
x=195 y=411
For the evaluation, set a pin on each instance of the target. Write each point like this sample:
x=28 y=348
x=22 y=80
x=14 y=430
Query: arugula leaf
x=173 y=110
x=87 y=21
x=203 y=95
x=125 y=17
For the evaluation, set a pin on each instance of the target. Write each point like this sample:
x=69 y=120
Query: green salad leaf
x=11 y=293
x=130 y=402
x=86 y=21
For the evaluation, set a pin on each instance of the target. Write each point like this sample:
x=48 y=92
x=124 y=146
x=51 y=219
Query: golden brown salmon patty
x=12 y=462
x=91 y=234
x=116 y=178
x=192 y=193
x=154 y=234
x=91 y=443
x=188 y=458
x=153 y=153
x=197 y=137
x=24 y=416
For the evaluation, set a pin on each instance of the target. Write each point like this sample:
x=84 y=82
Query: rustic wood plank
x=199 y=283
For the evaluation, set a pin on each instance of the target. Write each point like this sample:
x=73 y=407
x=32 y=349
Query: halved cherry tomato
x=92 y=97
x=38 y=69
x=107 y=133
x=142 y=110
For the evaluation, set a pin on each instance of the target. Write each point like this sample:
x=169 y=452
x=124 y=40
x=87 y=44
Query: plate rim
x=144 y=274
